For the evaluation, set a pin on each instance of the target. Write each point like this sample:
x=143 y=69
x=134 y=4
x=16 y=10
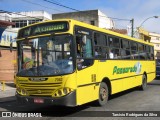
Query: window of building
x=92 y=22
x=23 y=23
x=157 y=38
x=19 y=23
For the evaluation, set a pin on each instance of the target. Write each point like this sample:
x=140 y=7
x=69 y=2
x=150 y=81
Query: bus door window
x=84 y=51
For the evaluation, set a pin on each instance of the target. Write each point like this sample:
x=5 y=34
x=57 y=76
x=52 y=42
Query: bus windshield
x=45 y=56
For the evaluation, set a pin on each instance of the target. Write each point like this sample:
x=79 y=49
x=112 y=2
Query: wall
x=8 y=59
x=104 y=21
x=83 y=16
x=7 y=64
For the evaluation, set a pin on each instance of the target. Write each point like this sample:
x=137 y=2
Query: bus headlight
x=62 y=92
x=65 y=91
x=18 y=89
x=24 y=92
x=21 y=91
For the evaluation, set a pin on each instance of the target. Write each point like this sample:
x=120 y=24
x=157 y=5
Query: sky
x=139 y=10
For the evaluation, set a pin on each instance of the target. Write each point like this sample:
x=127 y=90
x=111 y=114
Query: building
x=5 y=63
x=121 y=31
x=18 y=20
x=143 y=34
x=155 y=39
x=93 y=17
x=22 y=19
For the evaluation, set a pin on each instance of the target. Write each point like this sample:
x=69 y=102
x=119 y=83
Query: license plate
x=38 y=100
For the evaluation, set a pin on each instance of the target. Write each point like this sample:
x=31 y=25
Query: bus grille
x=40 y=89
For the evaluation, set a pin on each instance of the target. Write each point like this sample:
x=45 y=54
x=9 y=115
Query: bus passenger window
x=111 y=54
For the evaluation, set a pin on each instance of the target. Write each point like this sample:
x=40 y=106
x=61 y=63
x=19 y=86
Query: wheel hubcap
x=103 y=94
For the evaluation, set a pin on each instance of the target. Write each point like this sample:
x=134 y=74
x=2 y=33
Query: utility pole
x=132 y=28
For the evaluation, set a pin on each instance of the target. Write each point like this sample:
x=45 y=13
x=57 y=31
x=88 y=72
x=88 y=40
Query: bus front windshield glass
x=45 y=56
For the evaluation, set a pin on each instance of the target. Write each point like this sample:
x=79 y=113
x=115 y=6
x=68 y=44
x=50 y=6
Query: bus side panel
x=122 y=78
x=86 y=84
x=150 y=77
x=129 y=82
x=151 y=74
x=105 y=70
x=138 y=80
x=117 y=86
x=147 y=67
x=85 y=94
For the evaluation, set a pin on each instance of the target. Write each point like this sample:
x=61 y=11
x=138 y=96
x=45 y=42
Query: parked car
x=157 y=72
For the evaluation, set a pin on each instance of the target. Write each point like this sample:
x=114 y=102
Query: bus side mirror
x=11 y=47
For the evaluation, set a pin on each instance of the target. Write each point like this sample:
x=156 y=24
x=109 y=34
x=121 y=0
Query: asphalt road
x=130 y=101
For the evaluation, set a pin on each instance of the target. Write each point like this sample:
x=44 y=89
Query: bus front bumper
x=68 y=100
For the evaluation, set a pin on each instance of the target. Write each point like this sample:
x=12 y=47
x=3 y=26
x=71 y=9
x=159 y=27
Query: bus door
x=86 y=69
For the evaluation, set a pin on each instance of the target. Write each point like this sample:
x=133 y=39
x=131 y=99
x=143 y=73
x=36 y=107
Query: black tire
x=144 y=83
x=103 y=94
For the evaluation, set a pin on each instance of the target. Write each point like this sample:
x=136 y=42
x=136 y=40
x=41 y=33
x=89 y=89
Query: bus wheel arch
x=108 y=83
x=104 y=92
x=145 y=74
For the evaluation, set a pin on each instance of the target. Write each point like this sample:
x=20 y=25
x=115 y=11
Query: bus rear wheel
x=103 y=94
x=144 y=83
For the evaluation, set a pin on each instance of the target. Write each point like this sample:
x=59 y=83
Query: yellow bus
x=68 y=62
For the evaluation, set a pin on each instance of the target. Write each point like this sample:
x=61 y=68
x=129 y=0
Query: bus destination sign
x=44 y=28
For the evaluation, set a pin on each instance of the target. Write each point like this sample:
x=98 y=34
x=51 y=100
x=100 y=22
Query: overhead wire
x=61 y=5
x=41 y=5
x=58 y=4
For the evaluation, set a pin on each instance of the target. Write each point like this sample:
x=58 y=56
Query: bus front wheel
x=103 y=94
x=144 y=83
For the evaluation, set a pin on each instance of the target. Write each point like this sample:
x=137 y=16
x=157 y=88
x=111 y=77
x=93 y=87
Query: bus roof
x=108 y=31
x=95 y=28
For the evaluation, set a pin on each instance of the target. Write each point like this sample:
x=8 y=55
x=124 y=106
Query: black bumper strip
x=68 y=100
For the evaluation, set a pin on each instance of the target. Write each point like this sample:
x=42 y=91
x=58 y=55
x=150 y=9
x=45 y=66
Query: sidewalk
x=8 y=94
